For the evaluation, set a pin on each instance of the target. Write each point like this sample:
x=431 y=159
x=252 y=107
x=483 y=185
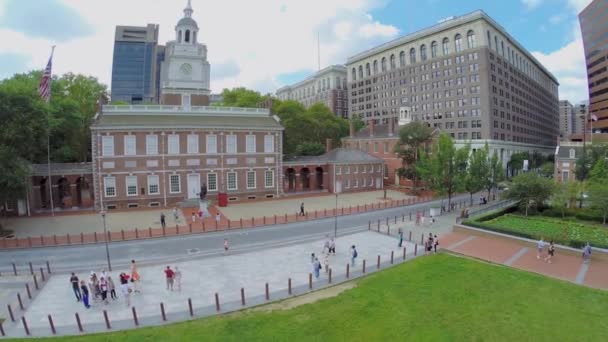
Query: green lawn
x=437 y=298
x=569 y=232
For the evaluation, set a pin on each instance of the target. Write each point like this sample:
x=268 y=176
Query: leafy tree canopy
x=530 y=189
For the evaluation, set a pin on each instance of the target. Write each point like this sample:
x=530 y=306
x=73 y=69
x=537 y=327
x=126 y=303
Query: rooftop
x=337 y=67
x=60 y=169
x=335 y=156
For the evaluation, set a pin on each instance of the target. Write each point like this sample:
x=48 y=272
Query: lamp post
x=336 y=218
x=105 y=233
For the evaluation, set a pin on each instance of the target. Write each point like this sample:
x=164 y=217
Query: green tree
x=547 y=169
x=516 y=163
x=561 y=197
x=530 y=189
x=241 y=97
x=496 y=172
x=598 y=197
x=583 y=166
x=441 y=170
x=574 y=192
x=358 y=122
x=477 y=173
x=599 y=172
x=412 y=137
x=310 y=149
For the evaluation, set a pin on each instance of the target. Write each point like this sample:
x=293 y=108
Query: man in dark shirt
x=75 y=287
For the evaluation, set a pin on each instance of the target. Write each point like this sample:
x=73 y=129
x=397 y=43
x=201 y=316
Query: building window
x=385 y=147
x=354 y=74
x=412 y=56
x=383 y=64
x=269 y=178
x=109 y=184
x=212 y=144
x=107 y=145
x=364 y=182
x=446 y=46
x=355 y=183
x=131 y=182
x=186 y=101
x=232 y=182
x=174 y=184
x=130 y=148
x=402 y=59
x=250 y=179
x=153 y=185
x=347 y=184
x=565 y=176
x=572 y=153
x=393 y=64
x=434 y=49
x=347 y=170
x=471 y=41
x=376 y=147
x=423 y=53
x=231 y=143
x=489 y=41
x=212 y=181
x=458 y=43
x=375 y=67
x=250 y=142
x=192 y=143
x=356 y=169
x=173 y=142
x=151 y=144
x=269 y=143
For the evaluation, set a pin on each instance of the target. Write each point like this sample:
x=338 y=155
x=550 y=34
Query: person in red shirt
x=170 y=275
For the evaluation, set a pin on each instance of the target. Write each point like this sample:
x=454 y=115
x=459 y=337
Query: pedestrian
x=218 y=217
x=326 y=263
x=226 y=246
x=353 y=255
x=326 y=245
x=124 y=288
x=75 y=287
x=193 y=217
x=178 y=278
x=586 y=253
x=400 y=238
x=550 y=252
x=435 y=243
x=162 y=220
x=112 y=288
x=103 y=287
x=540 y=247
x=84 y=290
x=312 y=257
x=175 y=215
x=91 y=284
x=96 y=286
x=316 y=267
x=302 y=209
x=135 y=276
x=332 y=246
x=169 y=274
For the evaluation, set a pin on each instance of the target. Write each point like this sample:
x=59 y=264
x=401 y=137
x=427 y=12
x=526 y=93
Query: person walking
x=135 y=276
x=75 y=287
x=226 y=246
x=175 y=214
x=332 y=246
x=218 y=218
x=124 y=288
x=550 y=252
x=169 y=274
x=302 y=209
x=316 y=267
x=540 y=247
x=162 y=220
x=326 y=245
x=103 y=287
x=312 y=258
x=353 y=255
x=586 y=253
x=178 y=278
x=84 y=290
x=435 y=243
x=112 y=288
x=400 y=238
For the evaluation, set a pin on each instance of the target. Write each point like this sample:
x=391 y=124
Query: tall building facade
x=135 y=64
x=465 y=76
x=594 y=26
x=328 y=86
x=566 y=119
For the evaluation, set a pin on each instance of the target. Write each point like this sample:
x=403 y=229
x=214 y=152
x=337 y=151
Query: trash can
x=222 y=199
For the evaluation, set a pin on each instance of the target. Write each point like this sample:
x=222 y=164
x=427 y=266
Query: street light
x=105 y=233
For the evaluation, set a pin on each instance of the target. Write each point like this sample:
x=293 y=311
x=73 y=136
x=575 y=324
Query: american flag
x=44 y=88
x=594 y=117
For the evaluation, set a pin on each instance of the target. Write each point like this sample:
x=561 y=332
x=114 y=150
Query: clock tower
x=185 y=71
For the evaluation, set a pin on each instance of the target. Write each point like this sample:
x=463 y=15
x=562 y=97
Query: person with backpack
x=316 y=267
x=353 y=255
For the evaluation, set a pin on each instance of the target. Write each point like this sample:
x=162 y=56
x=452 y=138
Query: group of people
x=540 y=248
x=422 y=220
x=98 y=287
x=329 y=248
x=430 y=244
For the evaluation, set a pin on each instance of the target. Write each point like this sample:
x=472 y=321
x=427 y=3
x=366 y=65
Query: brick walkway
x=565 y=265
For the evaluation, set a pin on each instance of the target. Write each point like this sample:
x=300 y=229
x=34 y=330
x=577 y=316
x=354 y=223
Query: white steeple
x=186 y=30
x=188 y=10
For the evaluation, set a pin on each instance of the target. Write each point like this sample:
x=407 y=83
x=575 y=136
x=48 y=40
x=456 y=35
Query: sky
x=266 y=44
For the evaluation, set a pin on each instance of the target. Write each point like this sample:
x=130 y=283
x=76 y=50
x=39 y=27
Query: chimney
x=391 y=126
x=328 y=143
x=371 y=128
x=352 y=129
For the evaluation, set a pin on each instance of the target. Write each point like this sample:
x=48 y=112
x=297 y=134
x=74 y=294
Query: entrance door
x=378 y=183
x=194 y=185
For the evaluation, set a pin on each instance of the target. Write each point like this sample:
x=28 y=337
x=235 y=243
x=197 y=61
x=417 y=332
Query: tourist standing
x=218 y=217
x=135 y=276
x=326 y=245
x=302 y=209
x=400 y=238
x=586 y=253
x=353 y=255
x=112 y=288
x=540 y=247
x=178 y=278
x=226 y=246
x=175 y=214
x=75 y=286
x=124 y=288
x=169 y=274
x=316 y=267
x=550 y=252
x=435 y=243
x=103 y=287
x=162 y=220
x=332 y=246
x=84 y=290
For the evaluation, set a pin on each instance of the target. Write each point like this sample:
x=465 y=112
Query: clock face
x=186 y=69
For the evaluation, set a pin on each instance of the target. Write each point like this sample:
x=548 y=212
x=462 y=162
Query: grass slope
x=438 y=298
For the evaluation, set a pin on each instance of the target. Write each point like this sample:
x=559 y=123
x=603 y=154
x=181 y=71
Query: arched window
x=457 y=43
x=338 y=83
x=434 y=49
x=496 y=44
x=187 y=36
x=423 y=53
x=471 y=40
x=489 y=41
x=393 y=65
x=502 y=47
x=508 y=53
x=412 y=56
x=375 y=67
x=402 y=59
x=360 y=72
x=383 y=64
x=368 y=72
x=354 y=74
x=446 y=46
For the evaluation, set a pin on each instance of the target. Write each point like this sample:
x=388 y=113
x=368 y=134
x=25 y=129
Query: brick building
x=566 y=155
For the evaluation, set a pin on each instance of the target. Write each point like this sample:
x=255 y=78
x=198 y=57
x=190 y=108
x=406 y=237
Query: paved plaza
x=202 y=278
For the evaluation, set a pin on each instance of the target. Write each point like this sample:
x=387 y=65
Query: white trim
x=107 y=146
x=151 y=144
x=211 y=141
x=254 y=180
x=192 y=144
x=179 y=184
x=236 y=180
x=130 y=145
x=173 y=141
x=234 y=150
x=106 y=180
x=250 y=143
x=129 y=179
x=265 y=180
x=157 y=183
x=216 y=182
x=269 y=143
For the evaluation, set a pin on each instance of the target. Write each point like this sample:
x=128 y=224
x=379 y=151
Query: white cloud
x=263 y=38
x=531 y=4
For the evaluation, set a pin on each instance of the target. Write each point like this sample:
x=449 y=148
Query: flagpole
x=48 y=148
